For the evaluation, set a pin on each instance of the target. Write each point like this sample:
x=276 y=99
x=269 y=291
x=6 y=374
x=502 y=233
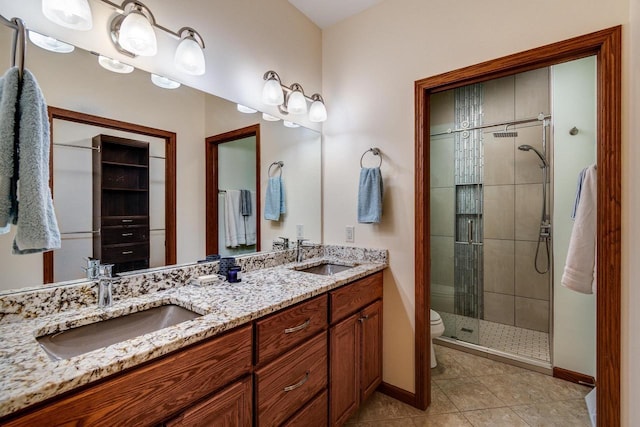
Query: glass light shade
x=189 y=57
x=164 y=82
x=49 y=43
x=137 y=35
x=296 y=104
x=317 y=112
x=74 y=14
x=114 y=65
x=289 y=124
x=269 y=117
x=245 y=109
x=272 y=93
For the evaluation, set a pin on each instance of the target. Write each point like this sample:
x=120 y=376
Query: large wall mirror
x=75 y=83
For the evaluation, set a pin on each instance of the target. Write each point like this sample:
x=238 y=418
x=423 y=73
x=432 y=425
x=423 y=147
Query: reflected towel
x=37 y=225
x=232 y=219
x=274 y=204
x=8 y=103
x=579 y=271
x=245 y=202
x=250 y=221
x=370 y=196
x=576 y=202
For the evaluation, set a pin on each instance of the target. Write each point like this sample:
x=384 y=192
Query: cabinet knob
x=363 y=318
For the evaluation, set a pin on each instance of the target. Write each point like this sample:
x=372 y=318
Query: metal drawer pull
x=298 y=384
x=127 y=234
x=363 y=318
x=297 y=328
x=127 y=252
x=127 y=220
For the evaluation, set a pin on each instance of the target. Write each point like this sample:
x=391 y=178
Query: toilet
x=437 y=329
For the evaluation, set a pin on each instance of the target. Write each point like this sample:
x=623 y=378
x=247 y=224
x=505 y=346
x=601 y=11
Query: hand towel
x=231 y=214
x=245 y=202
x=579 y=271
x=370 y=196
x=274 y=204
x=250 y=222
x=37 y=225
x=9 y=87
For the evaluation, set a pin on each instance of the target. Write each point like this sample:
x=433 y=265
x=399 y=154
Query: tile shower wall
x=514 y=293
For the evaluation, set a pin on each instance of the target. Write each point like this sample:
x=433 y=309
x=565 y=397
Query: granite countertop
x=28 y=375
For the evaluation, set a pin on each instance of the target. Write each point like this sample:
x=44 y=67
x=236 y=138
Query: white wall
x=370 y=63
x=573 y=104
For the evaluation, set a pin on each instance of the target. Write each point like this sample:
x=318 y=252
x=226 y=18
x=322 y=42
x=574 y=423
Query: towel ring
x=279 y=164
x=375 y=151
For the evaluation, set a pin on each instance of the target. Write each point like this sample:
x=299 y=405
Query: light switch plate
x=349 y=234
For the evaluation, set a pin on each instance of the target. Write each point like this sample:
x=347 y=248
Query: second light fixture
x=294 y=101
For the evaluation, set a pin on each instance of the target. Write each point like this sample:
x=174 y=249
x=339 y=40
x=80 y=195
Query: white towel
x=231 y=218
x=9 y=87
x=250 y=222
x=580 y=267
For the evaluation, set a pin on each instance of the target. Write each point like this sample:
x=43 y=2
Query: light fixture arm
x=192 y=33
x=295 y=86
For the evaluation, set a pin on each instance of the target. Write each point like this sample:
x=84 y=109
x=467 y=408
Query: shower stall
x=491 y=213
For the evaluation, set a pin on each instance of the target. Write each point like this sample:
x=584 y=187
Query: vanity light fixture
x=114 y=65
x=269 y=117
x=245 y=109
x=164 y=82
x=132 y=32
x=74 y=14
x=295 y=101
x=189 y=56
x=49 y=43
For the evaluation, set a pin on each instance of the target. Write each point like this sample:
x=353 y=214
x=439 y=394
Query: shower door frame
x=606 y=46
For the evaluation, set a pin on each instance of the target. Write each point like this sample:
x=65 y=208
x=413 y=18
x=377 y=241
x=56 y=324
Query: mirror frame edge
x=211 y=155
x=606 y=46
x=170 y=173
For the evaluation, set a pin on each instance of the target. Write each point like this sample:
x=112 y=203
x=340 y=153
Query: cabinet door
x=230 y=407
x=345 y=356
x=371 y=355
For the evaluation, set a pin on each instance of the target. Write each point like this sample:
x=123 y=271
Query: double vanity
x=292 y=344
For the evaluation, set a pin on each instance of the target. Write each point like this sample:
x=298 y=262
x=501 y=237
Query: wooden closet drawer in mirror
x=351 y=298
x=125 y=220
x=125 y=252
x=287 y=383
x=114 y=235
x=150 y=394
x=284 y=329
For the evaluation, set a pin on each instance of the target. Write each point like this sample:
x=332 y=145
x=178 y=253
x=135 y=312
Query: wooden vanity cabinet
x=355 y=342
x=156 y=391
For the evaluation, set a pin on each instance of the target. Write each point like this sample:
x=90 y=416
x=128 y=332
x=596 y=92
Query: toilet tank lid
x=435 y=317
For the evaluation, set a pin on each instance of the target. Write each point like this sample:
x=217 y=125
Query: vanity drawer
x=351 y=298
x=287 y=383
x=134 y=233
x=125 y=252
x=283 y=330
x=313 y=414
x=125 y=220
x=149 y=394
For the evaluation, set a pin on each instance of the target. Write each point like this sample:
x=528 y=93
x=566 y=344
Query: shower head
x=528 y=147
x=505 y=133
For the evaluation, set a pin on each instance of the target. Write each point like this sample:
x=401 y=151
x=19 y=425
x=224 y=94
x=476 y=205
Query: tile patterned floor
x=507 y=338
x=469 y=390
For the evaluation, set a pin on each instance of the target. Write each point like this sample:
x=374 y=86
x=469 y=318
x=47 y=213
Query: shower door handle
x=470 y=231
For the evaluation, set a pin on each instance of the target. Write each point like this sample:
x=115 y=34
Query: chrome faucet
x=284 y=245
x=105 y=286
x=92 y=268
x=299 y=252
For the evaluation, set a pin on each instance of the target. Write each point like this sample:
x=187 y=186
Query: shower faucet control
x=545 y=229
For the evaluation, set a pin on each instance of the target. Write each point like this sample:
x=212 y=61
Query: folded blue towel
x=274 y=204
x=37 y=225
x=9 y=88
x=370 y=196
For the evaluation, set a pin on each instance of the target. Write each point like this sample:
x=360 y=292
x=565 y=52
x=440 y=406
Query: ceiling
x=325 y=13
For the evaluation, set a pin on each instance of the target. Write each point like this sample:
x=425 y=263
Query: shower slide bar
x=539 y=118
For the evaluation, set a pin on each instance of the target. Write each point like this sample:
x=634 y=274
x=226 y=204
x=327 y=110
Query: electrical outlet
x=300 y=231
x=349 y=233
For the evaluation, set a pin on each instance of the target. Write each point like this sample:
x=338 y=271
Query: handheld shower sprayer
x=528 y=147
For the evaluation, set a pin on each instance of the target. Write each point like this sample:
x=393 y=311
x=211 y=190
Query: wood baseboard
x=397 y=393
x=574 y=377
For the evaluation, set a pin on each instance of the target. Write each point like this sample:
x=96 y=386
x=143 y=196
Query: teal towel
x=37 y=228
x=9 y=89
x=274 y=204
x=370 y=196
